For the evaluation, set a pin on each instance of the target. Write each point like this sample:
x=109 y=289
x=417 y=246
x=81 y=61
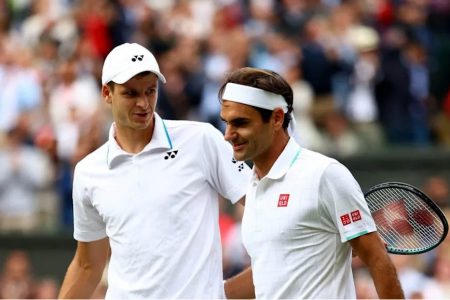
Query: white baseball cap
x=128 y=60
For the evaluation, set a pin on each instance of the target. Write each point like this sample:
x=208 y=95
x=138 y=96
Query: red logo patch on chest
x=345 y=219
x=356 y=216
x=283 y=200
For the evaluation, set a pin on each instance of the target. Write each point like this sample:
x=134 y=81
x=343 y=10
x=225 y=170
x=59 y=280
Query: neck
x=264 y=162
x=132 y=140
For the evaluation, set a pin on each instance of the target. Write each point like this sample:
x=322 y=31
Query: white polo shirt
x=296 y=225
x=159 y=209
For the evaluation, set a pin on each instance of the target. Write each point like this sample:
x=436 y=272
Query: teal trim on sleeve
x=357 y=235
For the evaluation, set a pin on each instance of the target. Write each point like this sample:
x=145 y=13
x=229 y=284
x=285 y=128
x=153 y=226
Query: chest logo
x=283 y=200
x=171 y=154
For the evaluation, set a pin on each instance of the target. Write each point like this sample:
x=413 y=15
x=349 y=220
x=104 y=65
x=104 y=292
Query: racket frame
x=426 y=199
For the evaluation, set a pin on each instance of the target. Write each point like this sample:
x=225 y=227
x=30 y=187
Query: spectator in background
x=16 y=279
x=302 y=104
x=20 y=91
x=438 y=189
x=415 y=58
x=72 y=103
x=392 y=89
x=46 y=288
x=318 y=58
x=361 y=108
x=439 y=285
x=339 y=139
x=411 y=274
x=441 y=122
x=25 y=171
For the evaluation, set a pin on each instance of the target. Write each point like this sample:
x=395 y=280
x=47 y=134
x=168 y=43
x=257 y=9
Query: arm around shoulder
x=372 y=252
x=85 y=270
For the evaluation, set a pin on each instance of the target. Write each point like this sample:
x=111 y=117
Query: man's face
x=133 y=103
x=246 y=131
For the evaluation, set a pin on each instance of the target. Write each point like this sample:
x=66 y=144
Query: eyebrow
x=236 y=120
x=153 y=86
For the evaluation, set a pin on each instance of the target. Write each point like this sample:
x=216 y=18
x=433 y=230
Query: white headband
x=253 y=96
x=259 y=98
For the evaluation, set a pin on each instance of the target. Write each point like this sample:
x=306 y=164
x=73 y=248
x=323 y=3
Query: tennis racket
x=408 y=220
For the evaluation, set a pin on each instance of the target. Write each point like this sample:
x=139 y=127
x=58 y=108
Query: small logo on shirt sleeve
x=283 y=200
x=356 y=216
x=345 y=219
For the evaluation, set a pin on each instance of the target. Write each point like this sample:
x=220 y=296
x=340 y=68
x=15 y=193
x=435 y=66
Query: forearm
x=240 y=286
x=371 y=249
x=79 y=282
x=385 y=279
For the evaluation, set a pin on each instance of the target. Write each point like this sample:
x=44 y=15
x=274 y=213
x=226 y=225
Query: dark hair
x=111 y=84
x=266 y=80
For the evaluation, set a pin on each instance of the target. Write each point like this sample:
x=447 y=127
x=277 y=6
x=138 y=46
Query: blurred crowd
x=367 y=75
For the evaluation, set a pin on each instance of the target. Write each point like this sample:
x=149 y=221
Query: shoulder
x=317 y=158
x=93 y=161
x=185 y=125
x=193 y=130
x=325 y=167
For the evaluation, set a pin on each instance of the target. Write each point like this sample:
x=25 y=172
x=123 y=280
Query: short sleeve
x=88 y=224
x=344 y=203
x=228 y=176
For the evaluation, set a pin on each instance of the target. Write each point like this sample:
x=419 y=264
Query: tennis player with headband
x=304 y=212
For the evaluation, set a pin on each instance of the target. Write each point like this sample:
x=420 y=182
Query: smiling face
x=133 y=103
x=249 y=135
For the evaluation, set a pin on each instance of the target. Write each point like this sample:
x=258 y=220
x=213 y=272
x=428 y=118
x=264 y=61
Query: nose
x=229 y=133
x=143 y=102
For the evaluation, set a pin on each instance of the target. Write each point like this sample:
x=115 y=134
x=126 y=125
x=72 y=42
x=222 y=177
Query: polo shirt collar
x=285 y=160
x=160 y=140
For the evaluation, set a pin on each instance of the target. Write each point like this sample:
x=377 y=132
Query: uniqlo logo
x=345 y=219
x=283 y=200
x=356 y=216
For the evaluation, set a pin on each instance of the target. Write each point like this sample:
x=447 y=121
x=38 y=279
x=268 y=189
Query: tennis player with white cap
x=149 y=196
x=304 y=212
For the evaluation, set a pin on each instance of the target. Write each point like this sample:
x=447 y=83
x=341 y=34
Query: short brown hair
x=266 y=80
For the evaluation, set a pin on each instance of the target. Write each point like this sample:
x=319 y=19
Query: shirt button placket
x=258 y=207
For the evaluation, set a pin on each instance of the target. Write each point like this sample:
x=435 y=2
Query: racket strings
x=403 y=220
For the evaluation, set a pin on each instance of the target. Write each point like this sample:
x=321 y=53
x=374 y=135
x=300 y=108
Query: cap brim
x=127 y=75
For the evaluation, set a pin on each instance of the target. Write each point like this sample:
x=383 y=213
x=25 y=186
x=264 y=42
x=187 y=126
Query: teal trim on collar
x=295 y=157
x=167 y=134
x=157 y=141
x=285 y=161
x=107 y=155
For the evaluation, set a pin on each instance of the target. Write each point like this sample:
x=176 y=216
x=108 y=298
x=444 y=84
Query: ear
x=278 y=118
x=107 y=94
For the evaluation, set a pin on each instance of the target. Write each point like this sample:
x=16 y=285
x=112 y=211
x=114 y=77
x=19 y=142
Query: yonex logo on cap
x=137 y=57
x=123 y=62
